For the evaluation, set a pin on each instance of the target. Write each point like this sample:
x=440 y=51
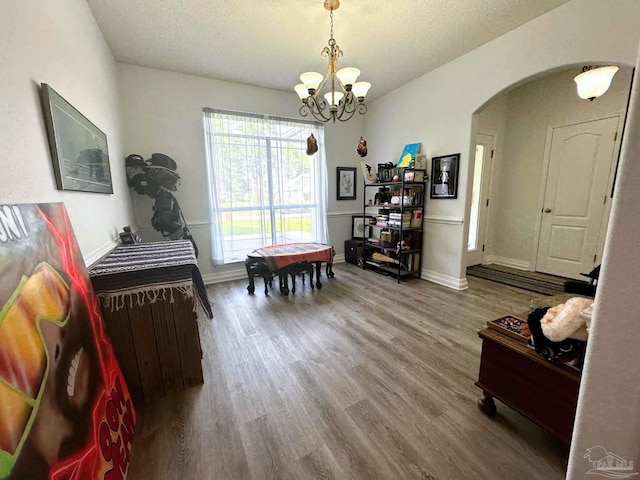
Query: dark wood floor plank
x=363 y=379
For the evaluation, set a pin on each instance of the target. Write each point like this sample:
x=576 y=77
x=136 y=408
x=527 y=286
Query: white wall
x=548 y=101
x=58 y=43
x=437 y=108
x=162 y=112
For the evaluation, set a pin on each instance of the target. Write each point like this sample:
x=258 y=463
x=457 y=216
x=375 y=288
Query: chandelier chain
x=331 y=22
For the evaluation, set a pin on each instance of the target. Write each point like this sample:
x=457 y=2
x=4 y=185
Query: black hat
x=162 y=160
x=134 y=160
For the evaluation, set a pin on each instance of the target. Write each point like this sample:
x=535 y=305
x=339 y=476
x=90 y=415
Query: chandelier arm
x=316 y=108
x=361 y=108
x=348 y=114
x=346 y=109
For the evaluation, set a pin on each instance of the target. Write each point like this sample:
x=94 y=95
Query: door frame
x=487 y=181
x=545 y=173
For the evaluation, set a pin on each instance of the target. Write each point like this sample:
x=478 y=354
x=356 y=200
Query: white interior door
x=580 y=159
x=480 y=199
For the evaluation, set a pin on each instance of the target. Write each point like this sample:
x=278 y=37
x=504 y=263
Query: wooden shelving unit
x=394 y=216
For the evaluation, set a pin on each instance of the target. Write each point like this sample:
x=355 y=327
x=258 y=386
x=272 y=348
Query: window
x=263 y=187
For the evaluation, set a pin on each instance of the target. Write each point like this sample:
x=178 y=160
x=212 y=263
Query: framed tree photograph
x=78 y=148
x=346 y=183
x=444 y=176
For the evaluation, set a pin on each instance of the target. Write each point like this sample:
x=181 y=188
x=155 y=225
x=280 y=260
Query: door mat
x=533 y=281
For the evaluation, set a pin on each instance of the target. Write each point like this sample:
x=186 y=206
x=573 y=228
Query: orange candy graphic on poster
x=65 y=411
x=23 y=362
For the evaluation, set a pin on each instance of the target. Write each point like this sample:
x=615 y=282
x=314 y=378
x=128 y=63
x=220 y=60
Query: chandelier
x=593 y=81
x=344 y=98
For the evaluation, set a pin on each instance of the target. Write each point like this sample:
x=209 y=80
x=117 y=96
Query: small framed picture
x=444 y=176
x=346 y=183
x=420 y=161
x=359 y=228
x=369 y=172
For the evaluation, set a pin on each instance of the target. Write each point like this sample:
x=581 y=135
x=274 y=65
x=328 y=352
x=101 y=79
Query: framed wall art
x=359 y=228
x=346 y=183
x=78 y=148
x=420 y=161
x=444 y=176
x=408 y=154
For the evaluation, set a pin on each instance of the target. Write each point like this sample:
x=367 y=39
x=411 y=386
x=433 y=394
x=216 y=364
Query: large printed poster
x=65 y=411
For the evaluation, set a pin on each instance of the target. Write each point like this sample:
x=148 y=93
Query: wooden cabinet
x=157 y=345
x=394 y=212
x=515 y=374
x=146 y=292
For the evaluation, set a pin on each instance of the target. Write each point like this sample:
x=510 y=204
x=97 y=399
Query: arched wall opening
x=521 y=120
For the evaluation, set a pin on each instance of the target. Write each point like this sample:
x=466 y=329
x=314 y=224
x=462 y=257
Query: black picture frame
x=346 y=183
x=79 y=149
x=359 y=227
x=444 y=176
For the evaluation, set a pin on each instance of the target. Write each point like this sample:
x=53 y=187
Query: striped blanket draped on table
x=145 y=272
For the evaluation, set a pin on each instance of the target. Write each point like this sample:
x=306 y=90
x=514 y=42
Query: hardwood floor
x=365 y=379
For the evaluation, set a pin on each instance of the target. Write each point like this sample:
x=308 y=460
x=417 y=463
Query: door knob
x=547 y=210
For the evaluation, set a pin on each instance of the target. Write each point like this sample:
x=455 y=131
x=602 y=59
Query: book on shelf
x=412 y=262
x=399 y=216
x=413 y=240
x=416 y=194
x=398 y=224
x=416 y=219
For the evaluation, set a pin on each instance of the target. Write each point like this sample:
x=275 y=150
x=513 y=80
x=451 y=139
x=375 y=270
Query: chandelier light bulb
x=301 y=90
x=348 y=76
x=360 y=89
x=311 y=80
x=337 y=96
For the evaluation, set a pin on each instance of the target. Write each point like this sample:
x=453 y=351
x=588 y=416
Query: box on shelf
x=413 y=175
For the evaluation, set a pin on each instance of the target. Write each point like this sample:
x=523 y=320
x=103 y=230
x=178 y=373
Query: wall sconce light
x=593 y=82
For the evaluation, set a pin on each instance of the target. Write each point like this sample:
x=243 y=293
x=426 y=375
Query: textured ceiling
x=269 y=43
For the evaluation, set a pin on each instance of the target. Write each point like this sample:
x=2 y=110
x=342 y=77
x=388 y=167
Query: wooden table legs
x=257 y=269
x=486 y=404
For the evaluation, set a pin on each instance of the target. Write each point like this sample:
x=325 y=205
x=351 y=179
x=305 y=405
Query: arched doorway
x=523 y=121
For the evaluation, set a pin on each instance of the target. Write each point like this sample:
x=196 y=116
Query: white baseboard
x=507 y=262
x=444 y=280
x=224 y=276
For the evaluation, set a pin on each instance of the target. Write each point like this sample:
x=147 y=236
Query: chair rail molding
x=445 y=219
